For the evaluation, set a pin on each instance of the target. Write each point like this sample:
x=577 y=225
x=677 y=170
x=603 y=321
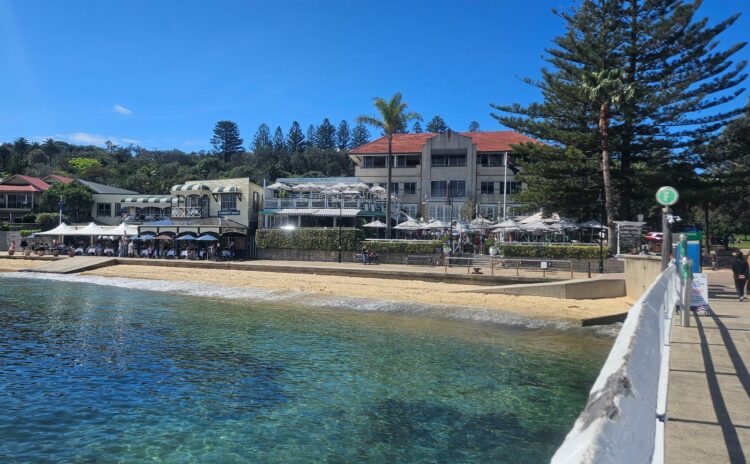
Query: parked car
x=656 y=237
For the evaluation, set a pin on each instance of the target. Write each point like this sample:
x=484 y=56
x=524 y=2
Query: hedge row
x=550 y=251
x=421 y=246
x=308 y=239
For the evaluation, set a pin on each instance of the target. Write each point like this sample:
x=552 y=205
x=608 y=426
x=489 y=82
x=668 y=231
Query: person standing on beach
x=740 y=271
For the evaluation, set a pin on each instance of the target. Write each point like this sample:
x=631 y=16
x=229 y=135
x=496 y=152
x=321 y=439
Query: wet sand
x=17 y=264
x=386 y=289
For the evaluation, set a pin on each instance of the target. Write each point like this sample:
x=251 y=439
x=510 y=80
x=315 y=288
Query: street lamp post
x=341 y=217
x=60 y=205
x=449 y=201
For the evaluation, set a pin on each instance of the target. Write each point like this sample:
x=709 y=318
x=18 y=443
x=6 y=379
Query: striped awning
x=184 y=188
x=148 y=200
x=227 y=189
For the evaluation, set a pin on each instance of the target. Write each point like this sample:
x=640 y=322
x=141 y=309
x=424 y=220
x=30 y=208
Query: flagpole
x=505 y=185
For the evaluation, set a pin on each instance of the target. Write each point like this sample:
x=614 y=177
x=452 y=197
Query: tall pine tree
x=295 y=139
x=325 y=137
x=437 y=124
x=360 y=136
x=343 y=136
x=417 y=127
x=640 y=81
x=474 y=126
x=262 y=142
x=226 y=140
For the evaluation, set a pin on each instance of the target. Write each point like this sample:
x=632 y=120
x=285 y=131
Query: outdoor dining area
x=124 y=241
x=473 y=234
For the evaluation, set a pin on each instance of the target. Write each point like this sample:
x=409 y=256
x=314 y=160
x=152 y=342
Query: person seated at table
x=170 y=253
x=372 y=257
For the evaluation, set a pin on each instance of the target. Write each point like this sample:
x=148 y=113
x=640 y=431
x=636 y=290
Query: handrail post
x=687 y=286
x=571 y=269
x=518 y=267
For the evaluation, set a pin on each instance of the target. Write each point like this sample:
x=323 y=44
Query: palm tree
x=393 y=119
x=607 y=88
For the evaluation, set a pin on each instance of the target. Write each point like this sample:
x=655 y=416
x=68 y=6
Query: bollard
x=589 y=269
x=518 y=268
x=687 y=284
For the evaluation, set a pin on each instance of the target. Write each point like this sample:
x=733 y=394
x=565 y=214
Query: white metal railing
x=187 y=212
x=366 y=204
x=623 y=420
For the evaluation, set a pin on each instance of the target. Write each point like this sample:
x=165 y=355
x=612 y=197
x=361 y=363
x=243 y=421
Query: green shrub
x=49 y=221
x=550 y=251
x=489 y=243
x=308 y=239
x=4 y=226
x=29 y=219
x=26 y=232
x=412 y=246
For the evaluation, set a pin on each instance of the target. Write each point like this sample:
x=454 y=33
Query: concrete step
x=74 y=265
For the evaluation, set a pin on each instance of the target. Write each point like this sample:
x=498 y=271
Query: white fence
x=624 y=418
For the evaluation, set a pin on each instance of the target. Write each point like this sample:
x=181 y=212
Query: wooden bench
x=424 y=260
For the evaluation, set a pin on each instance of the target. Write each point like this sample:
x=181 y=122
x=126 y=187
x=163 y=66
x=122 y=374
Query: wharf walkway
x=73 y=265
x=709 y=386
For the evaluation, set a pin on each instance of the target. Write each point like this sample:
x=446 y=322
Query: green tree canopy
x=437 y=124
x=226 y=140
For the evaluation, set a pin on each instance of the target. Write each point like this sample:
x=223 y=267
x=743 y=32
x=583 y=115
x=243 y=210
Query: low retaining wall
x=333 y=256
x=623 y=419
x=567 y=290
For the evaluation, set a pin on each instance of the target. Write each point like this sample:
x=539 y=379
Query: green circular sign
x=667 y=196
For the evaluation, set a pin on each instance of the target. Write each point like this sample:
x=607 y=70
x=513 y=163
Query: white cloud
x=96 y=139
x=121 y=110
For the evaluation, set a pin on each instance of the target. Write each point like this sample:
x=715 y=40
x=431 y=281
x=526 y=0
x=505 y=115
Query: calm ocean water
x=120 y=373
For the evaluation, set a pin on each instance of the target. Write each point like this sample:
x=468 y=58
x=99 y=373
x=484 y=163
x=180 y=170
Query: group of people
x=369 y=256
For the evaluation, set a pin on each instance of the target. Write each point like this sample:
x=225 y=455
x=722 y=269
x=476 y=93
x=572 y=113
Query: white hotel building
x=434 y=174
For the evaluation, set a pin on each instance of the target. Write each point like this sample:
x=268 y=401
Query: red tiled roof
x=59 y=178
x=37 y=183
x=17 y=188
x=413 y=143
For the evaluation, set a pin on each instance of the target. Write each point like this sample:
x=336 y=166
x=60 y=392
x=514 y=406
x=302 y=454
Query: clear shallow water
x=94 y=373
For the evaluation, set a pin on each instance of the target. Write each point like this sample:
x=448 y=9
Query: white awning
x=227 y=189
x=62 y=229
x=182 y=188
x=148 y=200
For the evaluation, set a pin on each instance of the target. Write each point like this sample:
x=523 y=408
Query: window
x=487 y=188
x=193 y=201
x=410 y=188
x=19 y=201
x=490 y=159
x=103 y=210
x=410 y=210
x=448 y=160
x=394 y=188
x=229 y=202
x=373 y=162
x=119 y=210
x=407 y=161
x=512 y=187
x=488 y=211
x=439 y=188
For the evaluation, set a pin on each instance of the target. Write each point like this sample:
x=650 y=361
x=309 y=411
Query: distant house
x=107 y=205
x=21 y=195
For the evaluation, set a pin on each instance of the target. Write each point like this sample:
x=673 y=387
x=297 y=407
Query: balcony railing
x=365 y=204
x=187 y=212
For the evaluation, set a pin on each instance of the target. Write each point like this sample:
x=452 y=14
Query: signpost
x=666 y=196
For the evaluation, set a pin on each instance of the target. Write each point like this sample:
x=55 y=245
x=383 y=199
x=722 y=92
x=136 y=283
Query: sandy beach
x=11 y=265
x=386 y=289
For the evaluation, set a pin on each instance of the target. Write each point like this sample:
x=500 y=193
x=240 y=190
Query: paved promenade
x=709 y=384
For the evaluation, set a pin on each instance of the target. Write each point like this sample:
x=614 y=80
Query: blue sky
x=160 y=74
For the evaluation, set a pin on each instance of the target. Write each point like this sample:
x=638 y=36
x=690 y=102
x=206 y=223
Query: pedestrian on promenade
x=740 y=271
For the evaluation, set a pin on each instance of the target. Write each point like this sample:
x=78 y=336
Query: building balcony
x=365 y=204
x=188 y=212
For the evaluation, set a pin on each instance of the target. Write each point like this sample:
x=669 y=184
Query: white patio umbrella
x=436 y=224
x=301 y=187
x=123 y=229
x=62 y=229
x=411 y=224
x=340 y=186
x=591 y=224
x=506 y=225
x=360 y=186
x=91 y=229
x=278 y=186
x=350 y=192
x=376 y=224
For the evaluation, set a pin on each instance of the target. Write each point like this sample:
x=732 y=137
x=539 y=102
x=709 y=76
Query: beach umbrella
x=360 y=186
x=436 y=224
x=207 y=238
x=340 y=186
x=506 y=225
x=377 y=189
x=278 y=186
x=186 y=238
x=481 y=222
x=163 y=237
x=376 y=224
x=592 y=224
x=350 y=192
x=411 y=224
x=300 y=187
